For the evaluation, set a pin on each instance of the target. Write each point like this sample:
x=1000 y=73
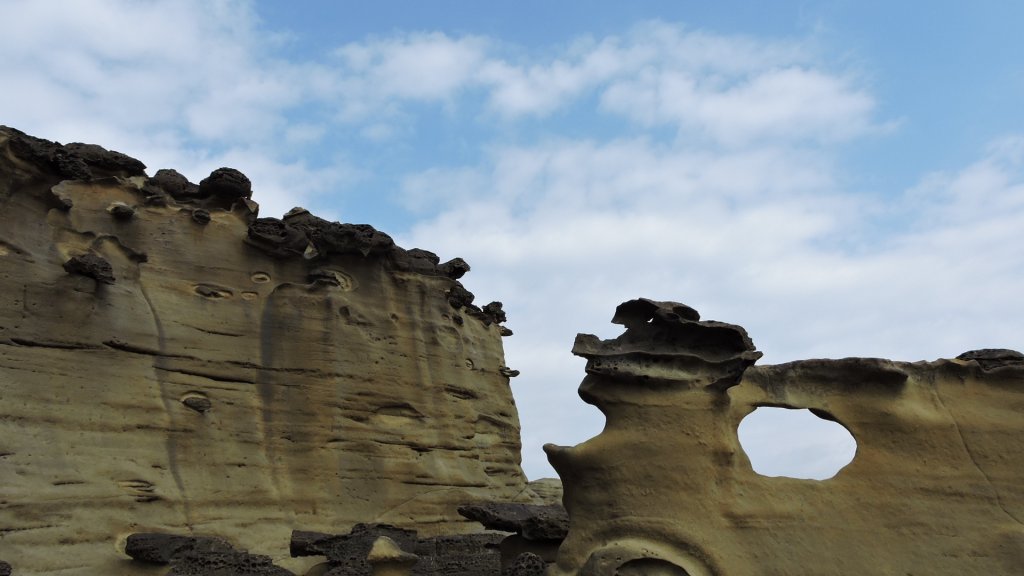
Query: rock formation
x=936 y=487
x=185 y=385
x=171 y=362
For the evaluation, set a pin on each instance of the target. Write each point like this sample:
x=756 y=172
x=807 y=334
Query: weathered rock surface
x=161 y=548
x=199 y=556
x=192 y=367
x=526 y=564
x=538 y=531
x=531 y=521
x=936 y=487
x=359 y=552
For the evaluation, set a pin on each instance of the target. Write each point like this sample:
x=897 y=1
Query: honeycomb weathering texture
x=936 y=486
x=169 y=362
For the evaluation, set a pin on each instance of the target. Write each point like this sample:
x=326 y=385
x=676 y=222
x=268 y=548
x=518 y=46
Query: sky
x=842 y=178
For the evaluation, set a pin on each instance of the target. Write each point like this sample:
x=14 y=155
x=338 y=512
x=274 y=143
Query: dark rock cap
x=665 y=342
x=337 y=238
x=548 y=522
x=277 y=238
x=226 y=185
x=455 y=268
x=92 y=266
x=172 y=183
x=160 y=548
x=74 y=161
x=199 y=556
x=989 y=358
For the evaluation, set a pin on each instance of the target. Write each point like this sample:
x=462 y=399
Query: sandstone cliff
x=169 y=362
x=936 y=487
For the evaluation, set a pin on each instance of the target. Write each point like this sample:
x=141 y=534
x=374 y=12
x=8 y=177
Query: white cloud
x=730 y=89
x=376 y=78
x=188 y=85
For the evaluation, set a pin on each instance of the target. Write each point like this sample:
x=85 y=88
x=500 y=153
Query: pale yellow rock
x=387 y=559
x=214 y=389
x=547 y=490
x=936 y=487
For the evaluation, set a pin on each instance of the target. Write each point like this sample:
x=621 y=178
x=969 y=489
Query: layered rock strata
x=171 y=362
x=936 y=487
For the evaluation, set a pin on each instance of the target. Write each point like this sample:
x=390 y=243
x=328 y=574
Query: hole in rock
x=795 y=443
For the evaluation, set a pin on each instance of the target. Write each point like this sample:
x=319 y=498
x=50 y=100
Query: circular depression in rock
x=795 y=443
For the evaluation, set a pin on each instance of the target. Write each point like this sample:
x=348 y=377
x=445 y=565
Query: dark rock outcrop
x=990 y=358
x=225 y=185
x=531 y=521
x=665 y=339
x=276 y=238
x=454 y=555
x=171 y=183
x=74 y=161
x=91 y=266
x=199 y=556
x=160 y=548
x=526 y=564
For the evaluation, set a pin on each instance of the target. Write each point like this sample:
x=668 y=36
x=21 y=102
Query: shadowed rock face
x=169 y=361
x=936 y=487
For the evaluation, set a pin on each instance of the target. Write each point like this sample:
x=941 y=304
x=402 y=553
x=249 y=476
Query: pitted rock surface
x=91 y=266
x=234 y=563
x=337 y=238
x=526 y=564
x=161 y=548
x=531 y=521
x=226 y=185
x=170 y=182
x=452 y=555
x=72 y=162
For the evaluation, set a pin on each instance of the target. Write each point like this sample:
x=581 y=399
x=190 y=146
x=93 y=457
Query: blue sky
x=842 y=178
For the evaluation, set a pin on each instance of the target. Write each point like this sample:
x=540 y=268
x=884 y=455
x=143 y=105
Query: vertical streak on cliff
x=970 y=453
x=265 y=386
x=160 y=371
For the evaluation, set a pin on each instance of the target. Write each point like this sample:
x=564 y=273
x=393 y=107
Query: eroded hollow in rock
x=795 y=443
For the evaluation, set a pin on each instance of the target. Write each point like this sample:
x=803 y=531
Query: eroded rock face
x=936 y=487
x=179 y=364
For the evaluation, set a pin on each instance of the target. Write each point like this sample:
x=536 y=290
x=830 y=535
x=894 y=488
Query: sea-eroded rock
x=190 y=366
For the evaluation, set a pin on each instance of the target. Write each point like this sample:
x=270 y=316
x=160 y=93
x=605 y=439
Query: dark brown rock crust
x=455 y=555
x=531 y=521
